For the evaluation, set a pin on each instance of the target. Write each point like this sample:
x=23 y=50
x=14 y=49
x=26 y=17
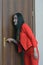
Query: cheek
x=16 y=21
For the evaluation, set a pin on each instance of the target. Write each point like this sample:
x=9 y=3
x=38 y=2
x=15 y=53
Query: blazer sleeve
x=30 y=35
x=19 y=48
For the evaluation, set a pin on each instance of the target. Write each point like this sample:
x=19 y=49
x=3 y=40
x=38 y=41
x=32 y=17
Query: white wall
x=39 y=27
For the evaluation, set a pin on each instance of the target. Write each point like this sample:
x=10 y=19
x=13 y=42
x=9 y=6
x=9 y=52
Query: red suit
x=27 y=44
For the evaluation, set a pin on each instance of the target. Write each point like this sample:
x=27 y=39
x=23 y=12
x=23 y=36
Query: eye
x=15 y=17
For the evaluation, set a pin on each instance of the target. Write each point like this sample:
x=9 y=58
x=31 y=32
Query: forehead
x=15 y=16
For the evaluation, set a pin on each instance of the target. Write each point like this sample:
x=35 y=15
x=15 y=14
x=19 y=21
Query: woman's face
x=15 y=20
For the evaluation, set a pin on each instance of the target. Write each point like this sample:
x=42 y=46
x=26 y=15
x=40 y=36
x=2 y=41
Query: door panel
x=10 y=55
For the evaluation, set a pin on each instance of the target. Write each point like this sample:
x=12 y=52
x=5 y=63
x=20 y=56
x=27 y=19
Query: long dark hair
x=17 y=27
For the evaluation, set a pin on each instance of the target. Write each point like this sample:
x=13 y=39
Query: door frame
x=33 y=18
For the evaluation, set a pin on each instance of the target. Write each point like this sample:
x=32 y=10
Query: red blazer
x=27 y=38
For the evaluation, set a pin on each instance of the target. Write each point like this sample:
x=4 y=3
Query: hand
x=9 y=40
x=35 y=53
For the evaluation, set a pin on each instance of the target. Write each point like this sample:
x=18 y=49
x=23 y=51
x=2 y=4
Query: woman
x=25 y=40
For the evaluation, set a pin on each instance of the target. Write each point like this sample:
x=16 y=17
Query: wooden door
x=10 y=56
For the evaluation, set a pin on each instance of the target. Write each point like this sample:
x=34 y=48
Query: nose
x=14 y=20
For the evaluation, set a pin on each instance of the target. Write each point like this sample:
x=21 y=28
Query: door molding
x=0 y=32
